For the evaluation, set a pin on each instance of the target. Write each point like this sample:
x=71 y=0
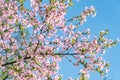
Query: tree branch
x=8 y=63
x=29 y=57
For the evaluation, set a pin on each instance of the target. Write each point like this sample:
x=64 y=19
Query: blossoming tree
x=34 y=39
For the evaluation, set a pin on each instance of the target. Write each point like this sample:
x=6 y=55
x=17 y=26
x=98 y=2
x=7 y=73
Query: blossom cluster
x=87 y=12
x=34 y=41
x=82 y=18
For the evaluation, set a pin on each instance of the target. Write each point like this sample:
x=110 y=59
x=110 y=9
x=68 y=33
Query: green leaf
x=21 y=2
x=19 y=70
x=29 y=75
x=40 y=0
x=98 y=70
x=106 y=31
x=71 y=4
x=16 y=23
x=1 y=32
x=0 y=58
x=83 y=77
x=19 y=57
x=52 y=1
x=37 y=62
x=40 y=43
x=11 y=17
x=11 y=60
x=50 y=27
x=8 y=50
x=60 y=78
x=83 y=50
x=114 y=43
x=22 y=8
x=3 y=75
x=107 y=65
x=21 y=28
x=6 y=30
x=102 y=33
x=79 y=18
x=7 y=1
x=101 y=39
x=73 y=41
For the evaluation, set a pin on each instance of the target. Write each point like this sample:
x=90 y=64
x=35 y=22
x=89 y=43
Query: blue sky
x=108 y=16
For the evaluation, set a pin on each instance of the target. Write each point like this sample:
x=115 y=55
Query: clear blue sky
x=108 y=16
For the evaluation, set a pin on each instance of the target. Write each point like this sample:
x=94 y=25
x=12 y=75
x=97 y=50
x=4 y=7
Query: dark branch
x=67 y=54
x=74 y=18
x=9 y=63
x=29 y=57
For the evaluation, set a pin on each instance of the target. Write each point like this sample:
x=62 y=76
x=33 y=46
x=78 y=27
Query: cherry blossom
x=34 y=41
